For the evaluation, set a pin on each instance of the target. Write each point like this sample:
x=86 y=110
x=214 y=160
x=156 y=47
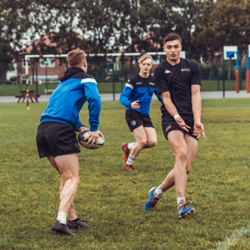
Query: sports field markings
x=236 y=235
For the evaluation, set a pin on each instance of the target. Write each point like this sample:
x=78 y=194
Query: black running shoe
x=61 y=228
x=77 y=223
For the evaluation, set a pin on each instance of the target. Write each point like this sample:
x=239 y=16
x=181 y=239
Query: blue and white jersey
x=65 y=103
x=142 y=89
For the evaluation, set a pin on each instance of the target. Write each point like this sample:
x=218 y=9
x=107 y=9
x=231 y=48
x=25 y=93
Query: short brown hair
x=171 y=37
x=76 y=57
x=145 y=57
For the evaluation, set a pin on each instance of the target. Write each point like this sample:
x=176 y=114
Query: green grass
x=108 y=87
x=8 y=89
x=218 y=86
x=111 y=200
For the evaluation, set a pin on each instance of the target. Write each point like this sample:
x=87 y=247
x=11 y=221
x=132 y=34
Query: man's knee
x=142 y=142
x=181 y=154
x=151 y=144
x=68 y=176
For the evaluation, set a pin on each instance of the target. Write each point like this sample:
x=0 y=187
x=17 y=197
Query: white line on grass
x=236 y=235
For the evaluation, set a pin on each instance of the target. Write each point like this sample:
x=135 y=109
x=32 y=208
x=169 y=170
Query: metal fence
x=111 y=71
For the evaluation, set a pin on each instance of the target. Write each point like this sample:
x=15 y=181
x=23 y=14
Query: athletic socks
x=158 y=192
x=131 y=145
x=62 y=216
x=131 y=160
x=180 y=201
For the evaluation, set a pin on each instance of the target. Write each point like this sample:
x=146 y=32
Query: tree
x=15 y=23
x=223 y=23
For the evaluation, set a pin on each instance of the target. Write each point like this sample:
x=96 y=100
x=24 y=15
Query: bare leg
x=151 y=137
x=145 y=138
x=71 y=212
x=68 y=167
x=191 y=145
x=177 y=141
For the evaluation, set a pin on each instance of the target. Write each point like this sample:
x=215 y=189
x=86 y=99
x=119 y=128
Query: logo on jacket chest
x=185 y=69
x=167 y=71
x=138 y=83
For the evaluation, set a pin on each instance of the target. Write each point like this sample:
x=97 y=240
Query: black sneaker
x=61 y=228
x=77 y=223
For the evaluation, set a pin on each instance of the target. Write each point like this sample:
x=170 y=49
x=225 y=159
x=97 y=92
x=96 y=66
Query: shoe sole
x=61 y=232
x=188 y=213
x=130 y=169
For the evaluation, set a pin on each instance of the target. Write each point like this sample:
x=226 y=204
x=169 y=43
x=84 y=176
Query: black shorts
x=170 y=125
x=54 y=139
x=136 y=119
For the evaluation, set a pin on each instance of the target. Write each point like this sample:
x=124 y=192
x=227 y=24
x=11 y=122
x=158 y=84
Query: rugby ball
x=84 y=142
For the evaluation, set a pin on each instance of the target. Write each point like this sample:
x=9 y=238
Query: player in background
x=56 y=138
x=178 y=81
x=136 y=97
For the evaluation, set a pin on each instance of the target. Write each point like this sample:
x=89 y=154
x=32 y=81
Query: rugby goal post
x=28 y=57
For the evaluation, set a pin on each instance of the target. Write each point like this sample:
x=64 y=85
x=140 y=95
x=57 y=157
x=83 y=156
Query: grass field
x=107 y=87
x=112 y=200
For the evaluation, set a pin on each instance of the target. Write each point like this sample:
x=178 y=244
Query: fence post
x=46 y=80
x=223 y=72
x=113 y=71
x=122 y=59
x=237 y=73
x=240 y=69
x=218 y=78
x=36 y=77
x=247 y=75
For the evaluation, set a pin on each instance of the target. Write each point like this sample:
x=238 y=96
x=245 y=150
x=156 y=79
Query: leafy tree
x=15 y=23
x=223 y=23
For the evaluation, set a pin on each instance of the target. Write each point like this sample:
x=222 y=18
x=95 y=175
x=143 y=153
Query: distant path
x=109 y=97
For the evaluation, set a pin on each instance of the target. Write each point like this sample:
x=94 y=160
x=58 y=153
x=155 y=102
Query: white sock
x=131 y=160
x=158 y=192
x=62 y=216
x=131 y=145
x=180 y=201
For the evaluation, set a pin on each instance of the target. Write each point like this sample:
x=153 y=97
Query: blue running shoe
x=152 y=200
x=184 y=211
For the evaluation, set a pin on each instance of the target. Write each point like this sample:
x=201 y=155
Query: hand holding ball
x=87 y=142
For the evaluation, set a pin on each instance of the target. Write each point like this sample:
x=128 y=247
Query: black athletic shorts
x=136 y=119
x=54 y=138
x=170 y=125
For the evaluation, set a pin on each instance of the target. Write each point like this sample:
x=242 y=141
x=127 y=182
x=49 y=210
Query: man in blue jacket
x=136 y=97
x=56 y=138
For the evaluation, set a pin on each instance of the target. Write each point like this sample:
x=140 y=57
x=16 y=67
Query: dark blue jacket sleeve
x=124 y=97
x=93 y=98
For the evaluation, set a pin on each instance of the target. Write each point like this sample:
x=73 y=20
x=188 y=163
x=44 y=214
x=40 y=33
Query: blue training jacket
x=142 y=89
x=65 y=103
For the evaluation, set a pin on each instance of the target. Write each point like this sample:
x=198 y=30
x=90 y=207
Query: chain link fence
x=112 y=71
